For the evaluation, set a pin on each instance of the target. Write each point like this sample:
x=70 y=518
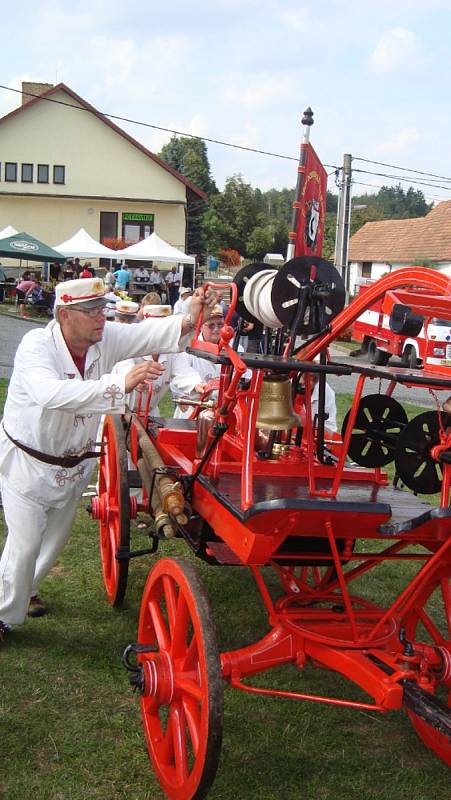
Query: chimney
x=34 y=89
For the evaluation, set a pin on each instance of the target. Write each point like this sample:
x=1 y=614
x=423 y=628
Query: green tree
x=190 y=158
x=260 y=241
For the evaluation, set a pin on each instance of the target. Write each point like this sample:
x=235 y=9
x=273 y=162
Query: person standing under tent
x=156 y=280
x=173 y=282
x=123 y=278
x=61 y=384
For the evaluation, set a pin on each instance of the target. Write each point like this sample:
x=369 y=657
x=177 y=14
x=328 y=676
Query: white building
x=385 y=245
x=65 y=166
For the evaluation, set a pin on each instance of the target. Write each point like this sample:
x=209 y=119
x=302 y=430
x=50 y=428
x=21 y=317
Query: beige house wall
x=103 y=172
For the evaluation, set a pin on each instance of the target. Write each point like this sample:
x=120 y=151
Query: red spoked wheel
x=114 y=510
x=429 y=622
x=182 y=691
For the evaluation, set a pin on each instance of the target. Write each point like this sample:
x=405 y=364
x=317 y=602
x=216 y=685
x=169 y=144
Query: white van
x=274 y=259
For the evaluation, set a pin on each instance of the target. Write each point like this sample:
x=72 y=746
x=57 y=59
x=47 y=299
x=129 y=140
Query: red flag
x=311 y=207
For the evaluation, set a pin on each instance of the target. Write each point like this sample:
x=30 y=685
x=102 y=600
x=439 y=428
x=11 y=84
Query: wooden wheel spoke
x=180 y=629
x=159 y=624
x=191 y=659
x=178 y=732
x=189 y=686
x=170 y=596
x=192 y=715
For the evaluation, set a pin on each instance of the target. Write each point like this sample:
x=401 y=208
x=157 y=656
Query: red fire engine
x=410 y=324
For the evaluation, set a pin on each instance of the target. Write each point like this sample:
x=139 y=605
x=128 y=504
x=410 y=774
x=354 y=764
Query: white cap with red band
x=150 y=311
x=81 y=290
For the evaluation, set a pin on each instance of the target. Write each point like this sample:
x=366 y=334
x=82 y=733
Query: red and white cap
x=89 y=291
x=156 y=311
x=126 y=308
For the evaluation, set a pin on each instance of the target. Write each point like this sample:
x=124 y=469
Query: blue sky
x=377 y=75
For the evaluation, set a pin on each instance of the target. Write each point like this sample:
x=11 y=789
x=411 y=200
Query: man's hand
x=200 y=388
x=206 y=299
x=146 y=371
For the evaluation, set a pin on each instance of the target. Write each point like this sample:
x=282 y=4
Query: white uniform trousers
x=36 y=536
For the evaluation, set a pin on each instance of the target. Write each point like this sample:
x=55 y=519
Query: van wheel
x=409 y=357
x=377 y=356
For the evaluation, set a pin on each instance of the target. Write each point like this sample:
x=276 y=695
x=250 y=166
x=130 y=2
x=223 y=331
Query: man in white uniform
x=182 y=304
x=60 y=386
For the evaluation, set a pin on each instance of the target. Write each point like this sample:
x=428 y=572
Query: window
x=43 y=173
x=10 y=171
x=58 y=174
x=27 y=173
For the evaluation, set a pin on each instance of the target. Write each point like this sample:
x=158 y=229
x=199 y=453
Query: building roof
x=405 y=240
x=62 y=87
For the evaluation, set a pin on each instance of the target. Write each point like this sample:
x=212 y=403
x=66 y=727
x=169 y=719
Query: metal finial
x=307 y=119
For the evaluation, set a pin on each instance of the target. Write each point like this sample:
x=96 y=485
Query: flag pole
x=307 y=122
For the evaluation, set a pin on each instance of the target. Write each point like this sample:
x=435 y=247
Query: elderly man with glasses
x=192 y=374
x=61 y=384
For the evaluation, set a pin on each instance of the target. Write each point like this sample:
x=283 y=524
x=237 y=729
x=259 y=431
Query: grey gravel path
x=12 y=329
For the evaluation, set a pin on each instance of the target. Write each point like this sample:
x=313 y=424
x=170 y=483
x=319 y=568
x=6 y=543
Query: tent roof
x=155 y=249
x=8 y=231
x=22 y=245
x=83 y=245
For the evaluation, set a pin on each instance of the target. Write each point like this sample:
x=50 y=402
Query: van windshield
x=437 y=321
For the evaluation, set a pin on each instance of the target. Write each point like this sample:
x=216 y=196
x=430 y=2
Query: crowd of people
x=32 y=293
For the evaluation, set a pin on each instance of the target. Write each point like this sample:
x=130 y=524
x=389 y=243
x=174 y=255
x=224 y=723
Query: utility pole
x=344 y=222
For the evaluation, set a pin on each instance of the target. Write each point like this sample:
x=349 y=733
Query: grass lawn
x=71 y=727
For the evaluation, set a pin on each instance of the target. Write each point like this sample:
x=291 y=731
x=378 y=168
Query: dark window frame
x=39 y=180
x=26 y=180
x=10 y=164
x=59 y=166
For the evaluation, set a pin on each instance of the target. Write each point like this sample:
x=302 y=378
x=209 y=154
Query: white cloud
x=400 y=143
x=296 y=19
x=261 y=92
x=397 y=49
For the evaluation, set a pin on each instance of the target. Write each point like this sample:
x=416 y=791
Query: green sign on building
x=130 y=217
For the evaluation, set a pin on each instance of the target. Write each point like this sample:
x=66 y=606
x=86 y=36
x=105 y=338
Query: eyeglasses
x=99 y=311
x=214 y=325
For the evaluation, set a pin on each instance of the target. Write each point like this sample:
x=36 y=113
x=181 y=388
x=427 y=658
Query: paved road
x=346 y=384
x=11 y=331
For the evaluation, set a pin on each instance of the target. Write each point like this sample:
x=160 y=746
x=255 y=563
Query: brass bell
x=275 y=410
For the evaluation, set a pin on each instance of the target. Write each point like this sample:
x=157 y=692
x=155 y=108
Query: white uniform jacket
x=50 y=408
x=188 y=371
x=159 y=386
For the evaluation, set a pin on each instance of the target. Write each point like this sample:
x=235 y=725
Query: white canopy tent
x=8 y=231
x=154 y=249
x=81 y=244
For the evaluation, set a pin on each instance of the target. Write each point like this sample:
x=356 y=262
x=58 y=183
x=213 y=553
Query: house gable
x=100 y=159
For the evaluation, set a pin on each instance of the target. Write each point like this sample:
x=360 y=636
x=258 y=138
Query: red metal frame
x=317 y=618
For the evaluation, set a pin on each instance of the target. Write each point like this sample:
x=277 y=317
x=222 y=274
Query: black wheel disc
x=414 y=463
x=380 y=420
x=327 y=293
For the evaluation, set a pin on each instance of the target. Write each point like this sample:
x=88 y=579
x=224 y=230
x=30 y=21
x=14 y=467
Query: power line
x=402 y=169
x=160 y=127
x=400 y=178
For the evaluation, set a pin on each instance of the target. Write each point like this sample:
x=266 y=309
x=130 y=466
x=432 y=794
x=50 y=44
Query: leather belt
x=64 y=461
